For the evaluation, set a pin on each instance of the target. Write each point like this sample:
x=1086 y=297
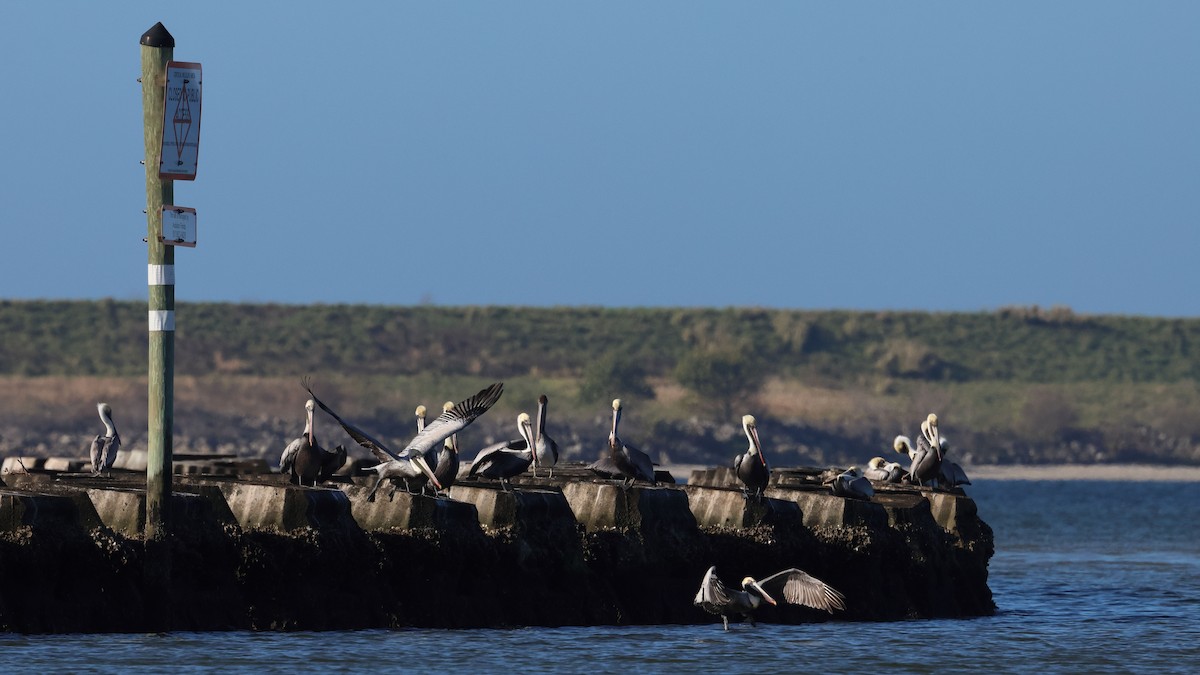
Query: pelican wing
x=98 y=453
x=288 y=458
x=801 y=588
x=361 y=437
x=454 y=420
x=492 y=453
x=712 y=596
x=604 y=467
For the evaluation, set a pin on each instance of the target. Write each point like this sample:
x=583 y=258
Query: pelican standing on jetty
x=631 y=462
x=792 y=585
x=951 y=474
x=927 y=457
x=445 y=468
x=409 y=464
x=750 y=466
x=302 y=458
x=545 y=451
x=509 y=458
x=106 y=445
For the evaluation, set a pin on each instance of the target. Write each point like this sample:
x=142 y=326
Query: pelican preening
x=927 y=456
x=750 y=466
x=302 y=458
x=851 y=484
x=882 y=471
x=545 y=450
x=509 y=458
x=631 y=462
x=409 y=464
x=792 y=585
x=106 y=445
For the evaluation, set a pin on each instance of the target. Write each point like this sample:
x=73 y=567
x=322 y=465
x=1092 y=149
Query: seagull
x=631 y=462
x=750 y=466
x=410 y=463
x=105 y=446
x=793 y=585
x=508 y=458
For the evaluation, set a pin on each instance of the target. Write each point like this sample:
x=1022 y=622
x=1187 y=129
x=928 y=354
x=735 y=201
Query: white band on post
x=160 y=275
x=162 y=320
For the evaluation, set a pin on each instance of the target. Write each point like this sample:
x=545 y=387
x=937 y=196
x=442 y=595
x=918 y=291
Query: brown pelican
x=927 y=457
x=631 y=462
x=331 y=462
x=794 y=586
x=509 y=458
x=105 y=446
x=852 y=485
x=545 y=450
x=445 y=469
x=882 y=471
x=303 y=457
x=409 y=464
x=951 y=474
x=750 y=466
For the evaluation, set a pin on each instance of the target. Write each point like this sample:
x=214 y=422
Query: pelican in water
x=509 y=458
x=793 y=586
x=882 y=471
x=445 y=468
x=106 y=445
x=631 y=462
x=303 y=457
x=851 y=484
x=545 y=449
x=409 y=463
x=951 y=474
x=750 y=466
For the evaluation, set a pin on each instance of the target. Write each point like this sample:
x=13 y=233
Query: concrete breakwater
x=252 y=552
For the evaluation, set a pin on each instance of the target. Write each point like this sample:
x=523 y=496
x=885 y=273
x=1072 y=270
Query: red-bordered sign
x=181 y=122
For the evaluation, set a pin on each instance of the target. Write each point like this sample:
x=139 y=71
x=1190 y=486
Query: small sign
x=181 y=122
x=178 y=226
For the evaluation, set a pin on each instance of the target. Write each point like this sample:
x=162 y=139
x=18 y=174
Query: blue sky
x=929 y=156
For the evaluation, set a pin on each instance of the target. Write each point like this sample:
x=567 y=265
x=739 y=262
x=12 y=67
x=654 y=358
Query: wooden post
x=157 y=48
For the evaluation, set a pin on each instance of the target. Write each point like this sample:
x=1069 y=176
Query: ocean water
x=1088 y=577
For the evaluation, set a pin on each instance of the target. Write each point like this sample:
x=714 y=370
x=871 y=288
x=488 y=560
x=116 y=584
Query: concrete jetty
x=250 y=551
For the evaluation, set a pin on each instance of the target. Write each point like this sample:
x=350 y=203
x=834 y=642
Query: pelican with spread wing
x=793 y=585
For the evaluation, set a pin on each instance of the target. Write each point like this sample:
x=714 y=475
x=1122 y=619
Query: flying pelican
x=545 y=449
x=631 y=462
x=950 y=473
x=793 y=585
x=509 y=458
x=750 y=466
x=851 y=484
x=446 y=467
x=882 y=471
x=410 y=462
x=303 y=457
x=105 y=447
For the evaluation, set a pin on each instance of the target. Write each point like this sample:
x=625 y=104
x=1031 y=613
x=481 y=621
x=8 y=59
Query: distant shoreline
x=1115 y=472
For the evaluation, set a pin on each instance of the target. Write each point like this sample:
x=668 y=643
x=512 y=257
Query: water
x=1089 y=577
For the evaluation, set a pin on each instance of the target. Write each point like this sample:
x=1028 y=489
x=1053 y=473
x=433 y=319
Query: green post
x=157 y=49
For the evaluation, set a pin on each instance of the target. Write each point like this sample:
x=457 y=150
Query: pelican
x=750 y=466
x=331 y=462
x=950 y=473
x=882 y=471
x=105 y=447
x=927 y=457
x=852 y=485
x=410 y=463
x=303 y=457
x=631 y=462
x=793 y=585
x=545 y=450
x=507 y=459
x=446 y=467
x=421 y=418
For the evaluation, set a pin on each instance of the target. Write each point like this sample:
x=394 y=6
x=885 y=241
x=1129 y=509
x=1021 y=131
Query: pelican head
x=616 y=404
x=421 y=411
x=876 y=462
x=750 y=426
x=105 y=409
x=613 y=440
x=309 y=406
x=902 y=445
x=448 y=406
x=451 y=442
x=749 y=583
x=932 y=419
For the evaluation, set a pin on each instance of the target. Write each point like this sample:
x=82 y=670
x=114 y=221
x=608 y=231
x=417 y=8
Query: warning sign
x=181 y=122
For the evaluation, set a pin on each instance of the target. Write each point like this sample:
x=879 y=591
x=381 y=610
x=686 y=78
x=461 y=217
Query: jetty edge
x=252 y=552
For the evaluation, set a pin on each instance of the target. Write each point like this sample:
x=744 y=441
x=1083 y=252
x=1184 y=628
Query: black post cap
x=158 y=36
